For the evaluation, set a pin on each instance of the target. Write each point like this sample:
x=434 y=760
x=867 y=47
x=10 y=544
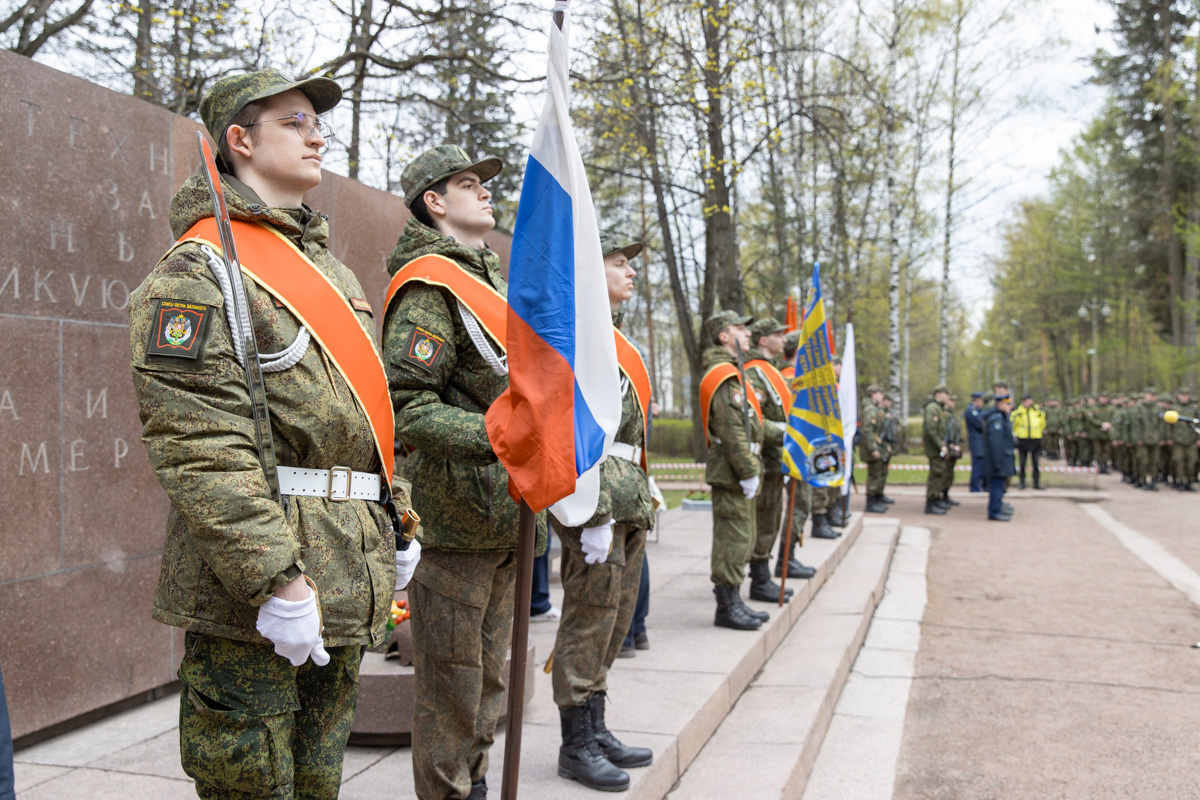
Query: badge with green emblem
x=424 y=348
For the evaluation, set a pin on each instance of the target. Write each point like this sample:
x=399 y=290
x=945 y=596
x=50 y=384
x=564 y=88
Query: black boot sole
x=566 y=773
x=769 y=597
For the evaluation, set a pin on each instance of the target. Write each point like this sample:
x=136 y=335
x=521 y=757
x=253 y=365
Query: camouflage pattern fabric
x=800 y=508
x=871 y=440
x=772 y=445
x=825 y=498
x=768 y=515
x=769 y=502
x=936 y=421
x=733 y=535
x=729 y=457
x=462 y=611
x=598 y=602
x=459 y=487
x=252 y=726
x=437 y=164
x=228 y=546
x=624 y=487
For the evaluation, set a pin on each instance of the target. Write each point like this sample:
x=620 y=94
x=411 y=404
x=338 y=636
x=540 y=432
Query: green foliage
x=671 y=437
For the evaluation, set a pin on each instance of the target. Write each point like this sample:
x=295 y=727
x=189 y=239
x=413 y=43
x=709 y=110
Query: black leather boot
x=821 y=529
x=580 y=757
x=875 y=504
x=619 y=754
x=946 y=501
x=795 y=568
x=764 y=589
x=478 y=790
x=730 y=611
x=932 y=507
x=886 y=499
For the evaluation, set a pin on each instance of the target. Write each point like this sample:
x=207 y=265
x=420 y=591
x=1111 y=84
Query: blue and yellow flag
x=813 y=450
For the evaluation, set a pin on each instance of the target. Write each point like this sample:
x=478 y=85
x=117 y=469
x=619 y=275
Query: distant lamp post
x=1096 y=309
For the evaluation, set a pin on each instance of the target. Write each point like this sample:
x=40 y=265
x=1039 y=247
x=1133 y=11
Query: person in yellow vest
x=733 y=427
x=602 y=567
x=1028 y=424
x=443 y=348
x=278 y=599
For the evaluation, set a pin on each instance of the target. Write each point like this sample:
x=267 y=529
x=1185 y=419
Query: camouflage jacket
x=459 y=488
x=933 y=430
x=730 y=458
x=1120 y=425
x=1094 y=418
x=1182 y=432
x=774 y=418
x=228 y=546
x=871 y=432
x=1144 y=423
x=624 y=488
x=1053 y=420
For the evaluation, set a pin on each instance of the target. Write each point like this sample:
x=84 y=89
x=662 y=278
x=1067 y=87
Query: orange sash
x=708 y=387
x=788 y=373
x=489 y=306
x=630 y=361
x=286 y=273
x=777 y=381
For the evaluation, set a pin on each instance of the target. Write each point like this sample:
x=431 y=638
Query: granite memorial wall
x=86 y=180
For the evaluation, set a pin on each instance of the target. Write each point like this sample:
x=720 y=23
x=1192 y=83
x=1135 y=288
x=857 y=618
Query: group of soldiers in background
x=1128 y=433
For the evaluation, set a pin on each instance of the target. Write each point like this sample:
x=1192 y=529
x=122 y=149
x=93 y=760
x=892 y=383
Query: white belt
x=626 y=451
x=755 y=447
x=338 y=484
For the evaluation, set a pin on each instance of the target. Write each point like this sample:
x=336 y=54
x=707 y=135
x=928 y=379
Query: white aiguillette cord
x=499 y=364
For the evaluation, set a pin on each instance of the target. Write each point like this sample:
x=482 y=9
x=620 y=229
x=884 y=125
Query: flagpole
x=787 y=541
x=518 y=661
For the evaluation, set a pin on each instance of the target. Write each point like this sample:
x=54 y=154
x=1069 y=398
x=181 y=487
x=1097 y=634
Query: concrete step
x=766 y=745
x=671 y=698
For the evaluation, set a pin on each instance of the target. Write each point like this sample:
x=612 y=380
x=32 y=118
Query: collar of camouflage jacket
x=192 y=203
x=419 y=240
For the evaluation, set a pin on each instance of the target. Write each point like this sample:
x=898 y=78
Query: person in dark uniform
x=973 y=418
x=998 y=454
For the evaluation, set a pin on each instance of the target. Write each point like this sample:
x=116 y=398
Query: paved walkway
x=1044 y=658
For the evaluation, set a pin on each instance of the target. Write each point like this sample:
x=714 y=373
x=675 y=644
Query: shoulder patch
x=360 y=304
x=424 y=348
x=179 y=329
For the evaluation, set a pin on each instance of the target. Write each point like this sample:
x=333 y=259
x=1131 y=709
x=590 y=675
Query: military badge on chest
x=179 y=329
x=424 y=349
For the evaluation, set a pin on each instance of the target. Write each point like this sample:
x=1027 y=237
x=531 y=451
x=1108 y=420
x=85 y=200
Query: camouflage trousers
x=1146 y=465
x=877 y=471
x=941 y=476
x=1102 y=451
x=800 y=505
x=598 y=602
x=768 y=513
x=253 y=726
x=1071 y=446
x=1050 y=444
x=733 y=535
x=824 y=499
x=462 y=611
x=1164 y=459
x=1083 y=451
x=1183 y=462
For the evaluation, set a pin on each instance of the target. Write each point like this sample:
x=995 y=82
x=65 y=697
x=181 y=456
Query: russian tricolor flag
x=552 y=427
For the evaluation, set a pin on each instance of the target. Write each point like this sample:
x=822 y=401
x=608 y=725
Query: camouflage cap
x=1149 y=390
x=792 y=340
x=872 y=388
x=722 y=320
x=1163 y=398
x=230 y=95
x=941 y=388
x=439 y=163
x=1183 y=390
x=610 y=244
x=765 y=327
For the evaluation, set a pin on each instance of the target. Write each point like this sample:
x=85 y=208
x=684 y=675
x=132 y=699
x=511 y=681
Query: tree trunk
x=944 y=300
x=1167 y=187
x=143 y=57
x=892 y=213
x=720 y=241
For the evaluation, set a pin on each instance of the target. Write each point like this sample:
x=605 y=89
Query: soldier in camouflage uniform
x=933 y=437
x=1183 y=439
x=872 y=449
x=766 y=343
x=1070 y=440
x=1144 y=436
x=1099 y=427
x=1053 y=431
x=261 y=715
x=734 y=471
x=601 y=568
x=461 y=596
x=1164 y=445
x=798 y=496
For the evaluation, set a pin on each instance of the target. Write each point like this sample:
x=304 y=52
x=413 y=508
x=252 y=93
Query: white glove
x=406 y=563
x=596 y=542
x=295 y=629
x=749 y=486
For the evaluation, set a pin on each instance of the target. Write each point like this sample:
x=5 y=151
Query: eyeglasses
x=305 y=125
